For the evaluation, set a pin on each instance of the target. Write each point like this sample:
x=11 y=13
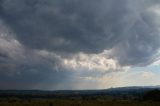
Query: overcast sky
x=79 y=44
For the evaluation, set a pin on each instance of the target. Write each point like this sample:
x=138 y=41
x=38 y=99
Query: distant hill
x=121 y=92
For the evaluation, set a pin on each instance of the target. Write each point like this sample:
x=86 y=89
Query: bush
x=153 y=95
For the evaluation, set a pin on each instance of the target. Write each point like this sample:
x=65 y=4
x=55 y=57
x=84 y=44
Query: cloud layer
x=54 y=42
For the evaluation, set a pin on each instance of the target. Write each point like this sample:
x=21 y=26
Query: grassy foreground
x=69 y=102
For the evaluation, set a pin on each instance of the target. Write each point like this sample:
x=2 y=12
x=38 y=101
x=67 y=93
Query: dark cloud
x=46 y=31
x=141 y=48
x=68 y=25
x=24 y=68
x=34 y=78
x=33 y=71
x=83 y=26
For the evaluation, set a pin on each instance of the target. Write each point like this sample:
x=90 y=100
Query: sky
x=79 y=44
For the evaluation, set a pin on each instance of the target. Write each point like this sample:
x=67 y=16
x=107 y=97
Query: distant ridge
x=137 y=87
x=132 y=91
x=127 y=87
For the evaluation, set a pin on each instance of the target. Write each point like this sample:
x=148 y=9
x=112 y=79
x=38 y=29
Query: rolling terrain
x=124 y=96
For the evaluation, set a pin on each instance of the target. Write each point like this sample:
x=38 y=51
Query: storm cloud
x=58 y=41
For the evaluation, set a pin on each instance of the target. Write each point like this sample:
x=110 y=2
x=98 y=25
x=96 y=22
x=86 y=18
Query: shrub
x=153 y=95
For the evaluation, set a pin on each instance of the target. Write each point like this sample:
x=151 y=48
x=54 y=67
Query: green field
x=69 y=102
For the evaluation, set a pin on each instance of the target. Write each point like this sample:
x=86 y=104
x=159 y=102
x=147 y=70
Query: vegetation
x=69 y=102
x=81 y=98
x=153 y=95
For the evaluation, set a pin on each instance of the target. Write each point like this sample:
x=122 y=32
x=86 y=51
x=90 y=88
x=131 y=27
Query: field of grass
x=69 y=102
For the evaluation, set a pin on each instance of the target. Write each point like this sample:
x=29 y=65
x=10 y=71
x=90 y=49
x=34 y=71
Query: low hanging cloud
x=93 y=62
x=47 y=40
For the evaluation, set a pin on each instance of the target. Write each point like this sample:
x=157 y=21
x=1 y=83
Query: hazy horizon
x=77 y=44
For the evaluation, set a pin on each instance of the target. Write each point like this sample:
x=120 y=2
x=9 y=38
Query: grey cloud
x=68 y=26
x=72 y=26
x=44 y=28
x=142 y=46
x=34 y=71
x=24 y=68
